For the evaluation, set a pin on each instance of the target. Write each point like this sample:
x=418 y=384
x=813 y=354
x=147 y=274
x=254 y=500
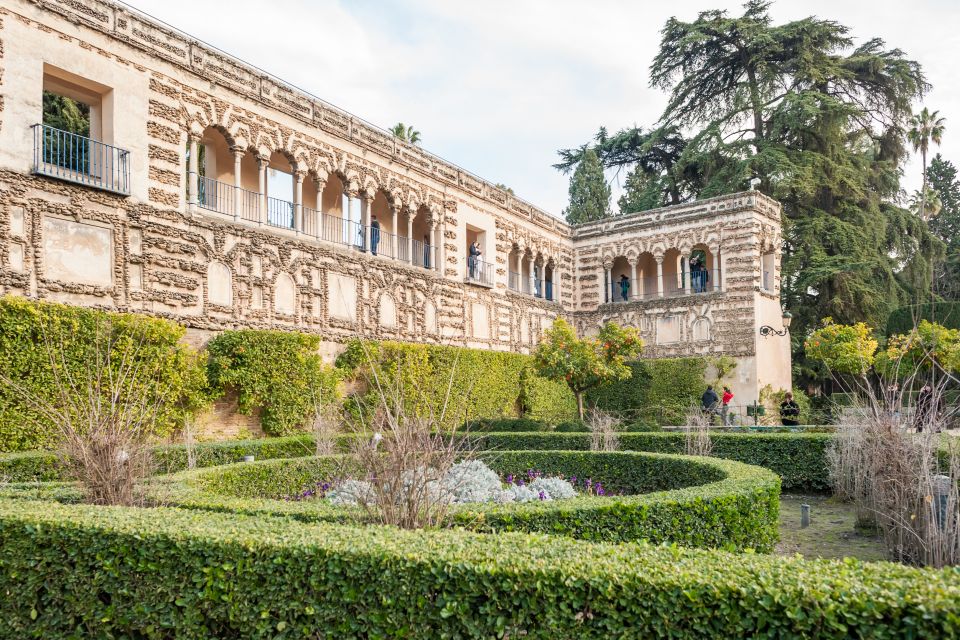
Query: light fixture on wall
x=767 y=330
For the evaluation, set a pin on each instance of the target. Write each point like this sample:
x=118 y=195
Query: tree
x=942 y=178
x=586 y=363
x=818 y=123
x=929 y=346
x=66 y=114
x=406 y=133
x=849 y=349
x=925 y=127
x=589 y=192
x=641 y=192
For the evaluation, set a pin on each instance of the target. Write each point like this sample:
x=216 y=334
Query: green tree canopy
x=66 y=114
x=942 y=179
x=406 y=133
x=586 y=363
x=589 y=191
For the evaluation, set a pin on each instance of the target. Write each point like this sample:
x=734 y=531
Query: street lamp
x=767 y=330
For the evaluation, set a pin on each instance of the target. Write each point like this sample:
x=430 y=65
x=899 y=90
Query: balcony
x=538 y=288
x=479 y=272
x=698 y=282
x=67 y=156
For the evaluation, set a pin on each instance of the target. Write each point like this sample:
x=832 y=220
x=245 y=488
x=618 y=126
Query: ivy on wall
x=36 y=336
x=278 y=372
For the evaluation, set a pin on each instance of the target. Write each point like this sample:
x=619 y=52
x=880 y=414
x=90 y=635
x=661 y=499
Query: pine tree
x=589 y=191
x=942 y=178
x=641 y=192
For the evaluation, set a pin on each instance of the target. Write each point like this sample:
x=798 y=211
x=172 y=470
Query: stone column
x=365 y=219
x=410 y=215
x=659 y=260
x=686 y=273
x=262 y=164
x=608 y=296
x=716 y=274
x=531 y=277
x=318 y=215
x=556 y=282
x=298 y=201
x=440 y=253
x=237 y=183
x=395 y=231
x=193 y=172
x=634 y=284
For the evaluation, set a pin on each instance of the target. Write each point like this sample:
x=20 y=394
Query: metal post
x=804 y=516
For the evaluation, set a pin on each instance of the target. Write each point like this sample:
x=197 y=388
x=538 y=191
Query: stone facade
x=195 y=230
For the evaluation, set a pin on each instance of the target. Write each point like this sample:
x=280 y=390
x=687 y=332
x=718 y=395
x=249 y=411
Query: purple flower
x=543 y=496
x=521 y=483
x=530 y=474
x=510 y=479
x=573 y=480
x=599 y=489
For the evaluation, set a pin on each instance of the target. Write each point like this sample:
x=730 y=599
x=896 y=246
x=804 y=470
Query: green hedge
x=33 y=334
x=482 y=383
x=522 y=425
x=83 y=571
x=798 y=458
x=278 y=372
x=659 y=392
x=697 y=502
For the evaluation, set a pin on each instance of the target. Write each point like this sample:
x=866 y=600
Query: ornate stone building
x=212 y=193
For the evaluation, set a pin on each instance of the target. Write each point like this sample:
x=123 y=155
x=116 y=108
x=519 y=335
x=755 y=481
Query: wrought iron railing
x=424 y=255
x=279 y=213
x=479 y=271
x=385 y=244
x=674 y=285
x=216 y=196
x=68 y=156
x=513 y=280
x=548 y=290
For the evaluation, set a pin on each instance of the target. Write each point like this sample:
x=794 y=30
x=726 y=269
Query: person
x=725 y=409
x=426 y=251
x=624 y=287
x=789 y=411
x=374 y=235
x=700 y=277
x=924 y=413
x=472 y=258
x=709 y=400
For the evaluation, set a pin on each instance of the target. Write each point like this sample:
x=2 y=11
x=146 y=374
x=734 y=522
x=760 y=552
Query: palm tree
x=925 y=127
x=406 y=133
x=930 y=200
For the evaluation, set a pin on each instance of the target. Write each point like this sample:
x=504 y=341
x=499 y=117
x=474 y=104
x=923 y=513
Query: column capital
x=237 y=152
x=299 y=175
x=633 y=262
x=659 y=258
x=608 y=265
x=194 y=138
x=262 y=162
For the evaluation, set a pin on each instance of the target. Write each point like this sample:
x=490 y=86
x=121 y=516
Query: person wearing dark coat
x=789 y=411
x=709 y=399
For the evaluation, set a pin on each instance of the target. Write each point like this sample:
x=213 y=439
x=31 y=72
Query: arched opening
x=647 y=286
x=526 y=271
x=548 y=287
x=673 y=273
x=312 y=203
x=621 y=280
x=215 y=171
x=334 y=227
x=704 y=276
x=514 y=267
x=219 y=284
x=537 y=277
x=280 y=188
x=383 y=239
x=424 y=252
x=768 y=266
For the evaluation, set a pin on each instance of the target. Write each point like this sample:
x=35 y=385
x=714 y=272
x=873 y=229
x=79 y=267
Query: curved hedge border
x=693 y=502
x=157 y=573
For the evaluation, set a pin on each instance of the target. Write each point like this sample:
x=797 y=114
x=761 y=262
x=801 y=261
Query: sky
x=498 y=86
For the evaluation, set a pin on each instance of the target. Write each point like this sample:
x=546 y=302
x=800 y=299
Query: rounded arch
x=704 y=275
x=285 y=294
x=621 y=280
x=673 y=272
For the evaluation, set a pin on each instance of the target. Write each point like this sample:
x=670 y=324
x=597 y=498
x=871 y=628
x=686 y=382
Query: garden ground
x=832 y=533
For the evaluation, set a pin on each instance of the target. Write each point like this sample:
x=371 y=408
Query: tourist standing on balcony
x=624 y=287
x=426 y=251
x=472 y=259
x=725 y=408
x=374 y=235
x=699 y=277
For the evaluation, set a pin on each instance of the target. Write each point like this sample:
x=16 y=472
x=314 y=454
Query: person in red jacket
x=725 y=409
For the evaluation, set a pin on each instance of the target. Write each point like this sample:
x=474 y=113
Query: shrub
x=487 y=384
x=30 y=331
x=659 y=391
x=279 y=372
x=174 y=573
x=905 y=319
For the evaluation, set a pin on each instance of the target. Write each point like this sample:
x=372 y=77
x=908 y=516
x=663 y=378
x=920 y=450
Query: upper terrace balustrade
x=75 y=158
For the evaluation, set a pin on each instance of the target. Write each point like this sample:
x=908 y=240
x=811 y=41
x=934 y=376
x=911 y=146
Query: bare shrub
x=891 y=461
x=406 y=456
x=103 y=417
x=603 y=430
x=697 y=432
x=324 y=423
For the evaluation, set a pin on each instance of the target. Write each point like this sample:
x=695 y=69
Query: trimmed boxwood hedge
x=161 y=573
x=698 y=502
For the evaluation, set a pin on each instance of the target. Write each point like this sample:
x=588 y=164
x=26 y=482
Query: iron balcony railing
x=513 y=280
x=387 y=245
x=424 y=255
x=75 y=158
x=548 y=290
x=279 y=213
x=216 y=196
x=480 y=271
x=674 y=285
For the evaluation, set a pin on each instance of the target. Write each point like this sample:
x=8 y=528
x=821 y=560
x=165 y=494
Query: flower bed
x=675 y=499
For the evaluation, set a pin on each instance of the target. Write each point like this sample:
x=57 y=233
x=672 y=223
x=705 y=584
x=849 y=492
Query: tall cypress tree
x=589 y=191
x=942 y=178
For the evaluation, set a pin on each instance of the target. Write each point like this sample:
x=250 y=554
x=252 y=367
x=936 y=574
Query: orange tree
x=586 y=363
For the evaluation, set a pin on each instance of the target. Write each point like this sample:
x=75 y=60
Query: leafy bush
x=167 y=572
x=31 y=332
x=659 y=392
x=904 y=319
x=279 y=372
x=482 y=384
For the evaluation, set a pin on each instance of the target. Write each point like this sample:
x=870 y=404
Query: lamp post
x=766 y=330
